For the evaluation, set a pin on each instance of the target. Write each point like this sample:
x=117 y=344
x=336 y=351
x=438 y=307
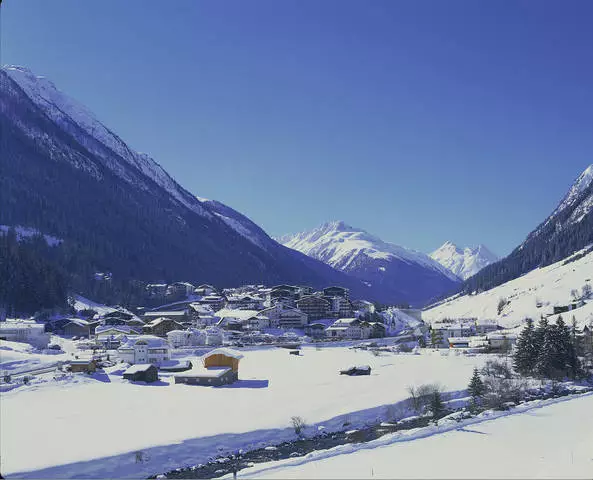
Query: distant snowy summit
x=463 y=262
x=415 y=276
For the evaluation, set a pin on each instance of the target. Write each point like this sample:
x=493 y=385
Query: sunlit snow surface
x=96 y=424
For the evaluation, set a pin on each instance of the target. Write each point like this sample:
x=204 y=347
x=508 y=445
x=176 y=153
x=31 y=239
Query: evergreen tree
x=436 y=405
x=476 y=387
x=526 y=351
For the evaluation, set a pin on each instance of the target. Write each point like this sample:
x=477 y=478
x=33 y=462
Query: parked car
x=54 y=346
x=355 y=371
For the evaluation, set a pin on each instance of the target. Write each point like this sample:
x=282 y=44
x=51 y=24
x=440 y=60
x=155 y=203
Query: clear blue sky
x=420 y=121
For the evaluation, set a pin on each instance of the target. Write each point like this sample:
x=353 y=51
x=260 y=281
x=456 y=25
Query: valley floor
x=554 y=441
x=92 y=426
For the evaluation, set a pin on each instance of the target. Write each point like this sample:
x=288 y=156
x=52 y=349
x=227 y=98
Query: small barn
x=142 y=372
x=83 y=366
x=219 y=367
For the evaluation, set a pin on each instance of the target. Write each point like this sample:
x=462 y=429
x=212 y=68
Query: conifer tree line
x=29 y=279
x=551 y=350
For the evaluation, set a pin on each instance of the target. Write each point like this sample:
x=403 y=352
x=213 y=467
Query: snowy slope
x=412 y=275
x=67 y=113
x=546 y=287
x=549 y=441
x=463 y=262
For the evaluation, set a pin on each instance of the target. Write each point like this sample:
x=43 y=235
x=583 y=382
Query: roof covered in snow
x=224 y=351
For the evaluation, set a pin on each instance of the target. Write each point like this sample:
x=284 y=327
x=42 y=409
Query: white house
x=214 y=336
x=186 y=338
x=228 y=315
x=350 y=328
x=144 y=349
x=25 y=332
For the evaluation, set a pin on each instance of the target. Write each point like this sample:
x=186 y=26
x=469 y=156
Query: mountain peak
x=463 y=262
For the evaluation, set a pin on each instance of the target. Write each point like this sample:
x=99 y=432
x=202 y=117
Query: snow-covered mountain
x=530 y=295
x=413 y=275
x=66 y=174
x=568 y=229
x=463 y=262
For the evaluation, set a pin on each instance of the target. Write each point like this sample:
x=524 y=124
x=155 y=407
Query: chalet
x=218 y=367
x=186 y=338
x=202 y=315
x=228 y=317
x=161 y=326
x=282 y=316
x=336 y=292
x=349 y=328
x=316 y=307
x=156 y=291
x=177 y=315
x=214 y=336
x=80 y=328
x=120 y=313
x=103 y=332
x=144 y=349
x=179 y=290
x=363 y=307
x=484 y=326
x=215 y=301
x=244 y=302
x=501 y=339
x=378 y=330
x=142 y=372
x=315 y=330
x=205 y=289
x=88 y=365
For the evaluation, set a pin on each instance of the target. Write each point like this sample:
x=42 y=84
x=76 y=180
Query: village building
x=244 y=302
x=186 y=338
x=316 y=307
x=363 y=307
x=112 y=336
x=161 y=326
x=349 y=328
x=179 y=290
x=282 y=316
x=501 y=340
x=202 y=315
x=258 y=322
x=216 y=302
x=25 y=332
x=315 y=330
x=87 y=365
x=179 y=316
x=340 y=307
x=218 y=367
x=156 y=291
x=214 y=336
x=205 y=289
x=143 y=372
x=336 y=292
x=233 y=318
x=484 y=326
x=77 y=327
x=144 y=349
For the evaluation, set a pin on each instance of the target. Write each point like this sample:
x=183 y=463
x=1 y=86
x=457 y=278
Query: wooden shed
x=142 y=373
x=219 y=367
x=84 y=366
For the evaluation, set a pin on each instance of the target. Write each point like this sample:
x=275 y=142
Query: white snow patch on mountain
x=531 y=295
x=27 y=232
x=463 y=262
x=339 y=244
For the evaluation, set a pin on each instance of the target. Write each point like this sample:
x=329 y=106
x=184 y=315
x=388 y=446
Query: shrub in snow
x=422 y=396
x=298 y=424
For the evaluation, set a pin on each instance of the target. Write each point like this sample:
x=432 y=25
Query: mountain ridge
x=463 y=262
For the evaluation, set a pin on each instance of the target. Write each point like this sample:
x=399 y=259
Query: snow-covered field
x=554 y=441
x=547 y=286
x=93 y=427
